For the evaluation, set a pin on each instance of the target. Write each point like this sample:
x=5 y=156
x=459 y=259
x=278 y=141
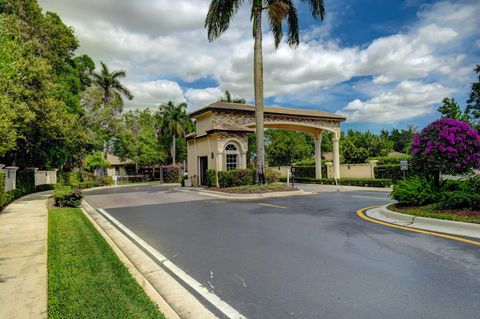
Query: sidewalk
x=424 y=223
x=23 y=258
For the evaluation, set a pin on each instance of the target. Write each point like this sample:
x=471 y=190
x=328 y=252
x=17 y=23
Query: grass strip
x=85 y=277
x=429 y=211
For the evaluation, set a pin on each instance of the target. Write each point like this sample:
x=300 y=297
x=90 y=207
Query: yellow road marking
x=270 y=205
x=426 y=232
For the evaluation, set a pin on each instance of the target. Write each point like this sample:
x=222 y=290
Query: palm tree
x=219 y=16
x=110 y=84
x=227 y=97
x=174 y=120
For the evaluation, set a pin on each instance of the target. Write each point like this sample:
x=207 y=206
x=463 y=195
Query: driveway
x=303 y=256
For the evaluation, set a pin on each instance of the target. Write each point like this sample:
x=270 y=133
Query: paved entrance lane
x=313 y=259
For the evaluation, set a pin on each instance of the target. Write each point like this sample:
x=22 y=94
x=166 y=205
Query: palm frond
x=219 y=16
x=318 y=8
x=118 y=74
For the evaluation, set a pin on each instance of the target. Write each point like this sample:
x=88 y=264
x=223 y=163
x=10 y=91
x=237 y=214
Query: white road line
x=372 y=197
x=221 y=305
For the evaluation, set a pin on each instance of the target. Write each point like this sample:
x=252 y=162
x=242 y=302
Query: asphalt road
x=309 y=257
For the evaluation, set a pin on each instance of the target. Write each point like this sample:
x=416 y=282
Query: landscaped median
x=255 y=189
x=364 y=182
x=86 y=279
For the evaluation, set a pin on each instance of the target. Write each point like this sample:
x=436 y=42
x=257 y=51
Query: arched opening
x=232 y=155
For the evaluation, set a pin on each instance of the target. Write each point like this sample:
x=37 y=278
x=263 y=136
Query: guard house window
x=231 y=157
x=117 y=171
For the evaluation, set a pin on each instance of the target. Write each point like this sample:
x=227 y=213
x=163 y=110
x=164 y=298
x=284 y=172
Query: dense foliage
x=365 y=182
x=451 y=194
x=471 y=112
x=414 y=191
x=358 y=146
x=238 y=177
x=66 y=196
x=446 y=146
x=287 y=147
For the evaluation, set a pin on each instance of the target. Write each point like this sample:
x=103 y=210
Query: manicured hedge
x=389 y=160
x=8 y=197
x=367 y=182
x=309 y=171
x=238 y=177
x=66 y=196
x=392 y=171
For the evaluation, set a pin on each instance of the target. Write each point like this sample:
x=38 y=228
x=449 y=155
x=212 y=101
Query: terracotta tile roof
x=231 y=128
x=115 y=160
x=224 y=106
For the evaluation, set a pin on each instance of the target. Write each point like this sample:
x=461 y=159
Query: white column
x=10 y=178
x=219 y=165
x=243 y=160
x=318 y=153
x=336 y=156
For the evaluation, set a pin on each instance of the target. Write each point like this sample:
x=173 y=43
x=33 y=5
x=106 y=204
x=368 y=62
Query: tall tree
x=174 y=120
x=450 y=109
x=111 y=85
x=227 y=97
x=39 y=88
x=218 y=19
x=358 y=146
x=473 y=102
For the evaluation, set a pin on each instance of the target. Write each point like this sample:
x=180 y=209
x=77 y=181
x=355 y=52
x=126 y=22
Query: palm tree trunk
x=258 y=86
x=173 y=149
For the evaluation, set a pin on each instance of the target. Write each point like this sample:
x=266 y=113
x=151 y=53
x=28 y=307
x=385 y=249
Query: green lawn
x=429 y=211
x=85 y=277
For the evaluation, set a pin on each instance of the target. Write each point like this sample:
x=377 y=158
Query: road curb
x=173 y=300
x=246 y=196
x=432 y=224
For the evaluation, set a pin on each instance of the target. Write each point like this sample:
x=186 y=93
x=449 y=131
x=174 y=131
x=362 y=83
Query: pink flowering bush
x=446 y=146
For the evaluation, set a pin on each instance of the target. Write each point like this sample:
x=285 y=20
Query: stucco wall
x=45 y=177
x=364 y=170
x=203 y=123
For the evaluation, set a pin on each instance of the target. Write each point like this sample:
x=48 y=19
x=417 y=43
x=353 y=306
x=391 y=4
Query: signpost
x=404 y=167
x=292 y=170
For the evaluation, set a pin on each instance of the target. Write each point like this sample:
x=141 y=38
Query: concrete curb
x=432 y=224
x=129 y=185
x=173 y=300
x=245 y=196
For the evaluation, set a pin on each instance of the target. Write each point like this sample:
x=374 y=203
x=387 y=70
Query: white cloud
x=153 y=93
x=201 y=97
x=166 y=39
x=407 y=100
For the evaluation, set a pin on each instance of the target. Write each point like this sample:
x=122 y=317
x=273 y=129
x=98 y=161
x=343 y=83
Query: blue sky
x=383 y=64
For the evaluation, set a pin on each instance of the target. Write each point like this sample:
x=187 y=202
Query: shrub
x=236 y=177
x=211 y=179
x=459 y=200
x=366 y=182
x=446 y=146
x=271 y=175
x=69 y=178
x=103 y=180
x=415 y=191
x=171 y=174
x=66 y=196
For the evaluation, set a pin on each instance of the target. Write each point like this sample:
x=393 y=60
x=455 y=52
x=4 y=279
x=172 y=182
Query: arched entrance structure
x=222 y=126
